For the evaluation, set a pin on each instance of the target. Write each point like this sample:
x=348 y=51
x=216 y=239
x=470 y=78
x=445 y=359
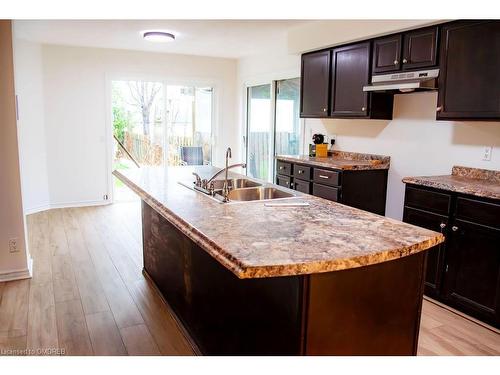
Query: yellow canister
x=322 y=150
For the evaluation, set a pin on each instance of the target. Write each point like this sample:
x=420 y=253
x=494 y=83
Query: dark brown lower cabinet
x=464 y=271
x=284 y=181
x=435 y=257
x=302 y=186
x=363 y=189
x=473 y=278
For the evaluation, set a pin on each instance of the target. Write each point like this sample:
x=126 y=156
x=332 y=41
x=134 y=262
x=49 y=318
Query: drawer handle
x=282 y=168
x=442 y=225
x=301 y=171
x=323 y=176
x=454 y=228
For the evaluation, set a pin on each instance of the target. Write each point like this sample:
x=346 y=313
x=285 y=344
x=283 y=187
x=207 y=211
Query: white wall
x=76 y=96
x=31 y=125
x=310 y=36
x=417 y=143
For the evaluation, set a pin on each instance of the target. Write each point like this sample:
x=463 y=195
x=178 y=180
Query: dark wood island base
x=371 y=310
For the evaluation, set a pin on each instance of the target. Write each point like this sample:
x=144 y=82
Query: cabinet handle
x=454 y=228
x=363 y=109
x=301 y=171
x=325 y=177
x=442 y=225
x=324 y=109
x=282 y=168
x=291 y=185
x=439 y=109
x=405 y=61
x=396 y=62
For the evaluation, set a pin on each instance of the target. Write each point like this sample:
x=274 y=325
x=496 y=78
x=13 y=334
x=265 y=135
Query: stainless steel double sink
x=245 y=190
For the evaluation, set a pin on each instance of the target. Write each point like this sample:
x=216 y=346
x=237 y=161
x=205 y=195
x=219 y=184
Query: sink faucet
x=206 y=183
x=225 y=188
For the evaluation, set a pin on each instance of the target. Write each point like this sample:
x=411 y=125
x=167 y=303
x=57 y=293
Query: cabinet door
x=469 y=79
x=350 y=72
x=284 y=181
x=302 y=186
x=387 y=54
x=420 y=49
x=473 y=280
x=315 y=84
x=435 y=257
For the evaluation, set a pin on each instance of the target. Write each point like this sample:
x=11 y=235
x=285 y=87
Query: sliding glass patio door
x=159 y=124
x=273 y=125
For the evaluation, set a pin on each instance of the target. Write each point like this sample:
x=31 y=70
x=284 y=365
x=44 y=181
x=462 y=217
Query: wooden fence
x=147 y=152
x=259 y=153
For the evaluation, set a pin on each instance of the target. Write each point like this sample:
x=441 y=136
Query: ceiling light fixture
x=158 y=36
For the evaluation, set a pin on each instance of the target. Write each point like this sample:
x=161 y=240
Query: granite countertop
x=342 y=160
x=254 y=241
x=473 y=181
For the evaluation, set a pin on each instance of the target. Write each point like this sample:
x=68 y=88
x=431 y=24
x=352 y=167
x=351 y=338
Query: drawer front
x=427 y=200
x=301 y=171
x=302 y=186
x=327 y=192
x=284 y=181
x=478 y=212
x=326 y=177
x=284 y=168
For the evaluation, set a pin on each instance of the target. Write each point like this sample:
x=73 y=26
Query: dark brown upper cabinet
x=469 y=79
x=350 y=72
x=387 y=54
x=315 y=84
x=411 y=50
x=420 y=48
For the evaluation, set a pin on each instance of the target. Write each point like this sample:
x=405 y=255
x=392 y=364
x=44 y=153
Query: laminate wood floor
x=88 y=295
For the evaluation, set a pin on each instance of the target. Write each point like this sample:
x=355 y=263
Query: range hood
x=405 y=82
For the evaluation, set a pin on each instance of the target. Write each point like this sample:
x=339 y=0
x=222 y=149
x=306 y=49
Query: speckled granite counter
x=255 y=241
x=342 y=160
x=473 y=181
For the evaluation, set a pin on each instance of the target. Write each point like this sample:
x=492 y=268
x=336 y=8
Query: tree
x=143 y=95
x=120 y=122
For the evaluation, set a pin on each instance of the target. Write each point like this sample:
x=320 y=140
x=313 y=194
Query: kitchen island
x=245 y=278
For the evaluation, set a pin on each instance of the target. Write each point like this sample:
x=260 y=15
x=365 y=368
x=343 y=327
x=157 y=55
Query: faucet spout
x=208 y=186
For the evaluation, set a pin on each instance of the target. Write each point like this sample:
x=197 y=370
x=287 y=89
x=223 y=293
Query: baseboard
x=461 y=314
x=34 y=210
x=26 y=273
x=79 y=204
x=46 y=207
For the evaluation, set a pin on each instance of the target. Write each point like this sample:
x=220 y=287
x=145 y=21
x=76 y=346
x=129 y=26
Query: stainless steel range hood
x=405 y=81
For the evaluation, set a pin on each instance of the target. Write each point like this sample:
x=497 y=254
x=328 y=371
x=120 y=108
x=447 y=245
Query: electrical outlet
x=332 y=137
x=487 y=153
x=13 y=248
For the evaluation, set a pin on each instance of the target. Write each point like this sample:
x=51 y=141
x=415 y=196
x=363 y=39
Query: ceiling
x=219 y=38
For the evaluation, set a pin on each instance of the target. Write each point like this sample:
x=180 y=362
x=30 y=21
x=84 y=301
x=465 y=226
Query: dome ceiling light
x=158 y=36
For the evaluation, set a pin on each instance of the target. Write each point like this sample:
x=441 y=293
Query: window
x=273 y=125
